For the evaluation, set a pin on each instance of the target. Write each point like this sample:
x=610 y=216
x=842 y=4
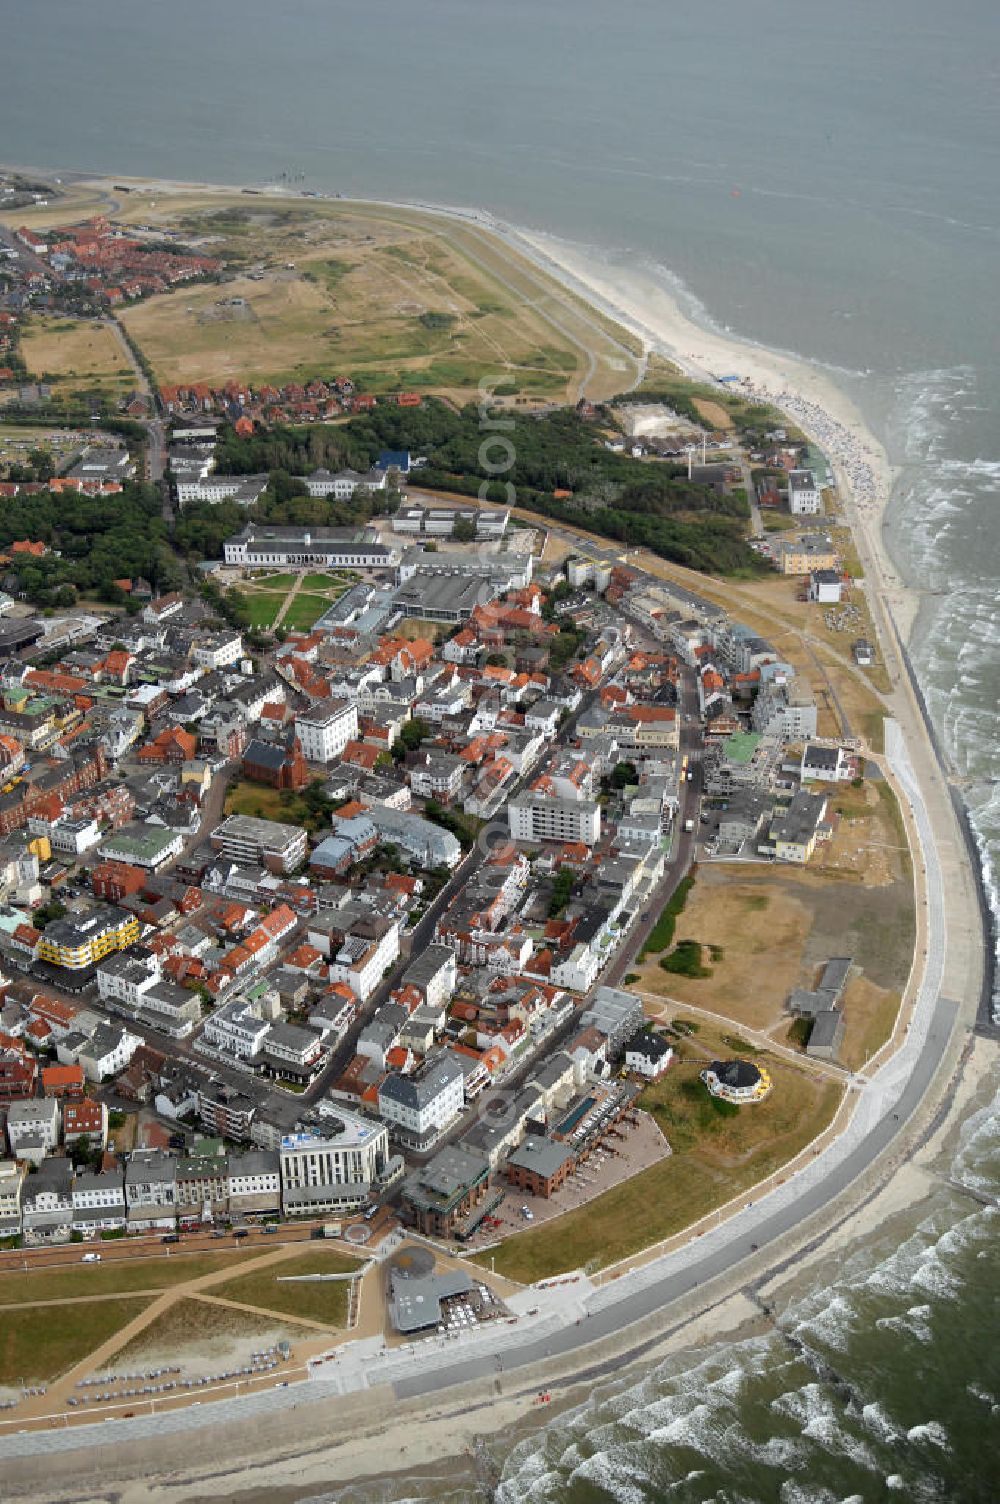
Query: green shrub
x=685 y=960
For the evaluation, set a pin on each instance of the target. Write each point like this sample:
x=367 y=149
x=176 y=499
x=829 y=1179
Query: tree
x=624 y=774
x=464 y=531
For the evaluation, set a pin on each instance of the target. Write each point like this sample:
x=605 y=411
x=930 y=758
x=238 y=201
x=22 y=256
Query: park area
x=718 y=1152
x=294 y=601
x=76 y=356
x=391 y=298
x=196 y=1311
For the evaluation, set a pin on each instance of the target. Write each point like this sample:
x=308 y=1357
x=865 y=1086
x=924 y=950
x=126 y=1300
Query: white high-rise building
x=325 y=729
x=535 y=818
x=804 y=498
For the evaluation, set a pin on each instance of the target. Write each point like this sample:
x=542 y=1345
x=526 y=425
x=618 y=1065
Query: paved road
x=716 y=1253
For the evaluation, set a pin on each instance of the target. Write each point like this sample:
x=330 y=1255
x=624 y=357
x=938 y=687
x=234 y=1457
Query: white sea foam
x=933 y=1431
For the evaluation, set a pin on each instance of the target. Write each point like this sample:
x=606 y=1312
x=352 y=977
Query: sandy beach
x=801 y=389
x=305 y=1448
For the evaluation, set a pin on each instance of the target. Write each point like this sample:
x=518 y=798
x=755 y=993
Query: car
x=270 y=1228
x=219 y=1232
x=91 y=1258
x=170 y=1237
x=242 y=1232
x=371 y=1213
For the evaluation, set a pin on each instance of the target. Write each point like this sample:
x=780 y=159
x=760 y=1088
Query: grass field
x=194 y=1324
x=393 y=298
x=326 y=1301
x=36 y=1349
x=305 y=609
x=119 y=1278
x=263 y=606
x=714 y=1158
x=78 y=354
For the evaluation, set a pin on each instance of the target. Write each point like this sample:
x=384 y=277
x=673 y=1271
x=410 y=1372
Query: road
x=715 y=1255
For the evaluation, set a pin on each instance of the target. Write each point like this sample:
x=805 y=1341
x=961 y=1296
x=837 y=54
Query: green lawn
x=326 y=1301
x=118 y=1278
x=283 y=582
x=263 y=606
x=304 y=610
x=717 y=1153
x=323 y=582
x=41 y=1345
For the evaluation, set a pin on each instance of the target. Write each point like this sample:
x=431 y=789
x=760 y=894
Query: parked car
x=91 y=1258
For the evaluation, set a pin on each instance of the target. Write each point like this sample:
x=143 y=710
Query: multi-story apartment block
x=99 y=1201
x=151 y=1189
x=535 y=818
x=254 y=1183
x=11 y=1179
x=420 y=1107
x=325 y=729
x=278 y=847
x=83 y=940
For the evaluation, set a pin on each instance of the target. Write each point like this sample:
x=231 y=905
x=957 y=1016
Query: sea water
x=815 y=177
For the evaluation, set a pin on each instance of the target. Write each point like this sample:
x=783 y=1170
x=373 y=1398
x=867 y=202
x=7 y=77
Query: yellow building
x=81 y=942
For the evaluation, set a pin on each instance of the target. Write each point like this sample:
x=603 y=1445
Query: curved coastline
x=954 y=978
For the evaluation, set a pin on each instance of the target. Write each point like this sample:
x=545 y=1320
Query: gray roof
x=543 y=1156
x=418 y=1090
x=416 y=1303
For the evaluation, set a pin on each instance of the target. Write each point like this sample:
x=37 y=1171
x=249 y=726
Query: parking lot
x=610 y=1162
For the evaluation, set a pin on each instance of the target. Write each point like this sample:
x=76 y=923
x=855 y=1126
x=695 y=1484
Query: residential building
x=125 y=977
x=804 y=496
x=47 y=1203
x=151 y=1189
x=78 y=942
x=535 y=818
x=434 y=973
x=108 y=1051
x=11 y=1180
x=325 y=729
x=254 y=1183
x=420 y=1107
x=234 y=1031
x=99 y=1201
x=278 y=847
x=617 y=1015
x=826 y=764
x=428 y=844
x=826 y=586
x=648 y=1054
x=87 y=1119
x=796 y=829
x=224 y=1112
x=33 y=1125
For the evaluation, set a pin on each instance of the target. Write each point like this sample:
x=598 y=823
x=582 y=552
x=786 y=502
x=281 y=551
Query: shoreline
x=654 y=315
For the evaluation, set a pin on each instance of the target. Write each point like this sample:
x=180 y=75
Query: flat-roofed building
x=449 y=1195
x=334 y=1169
x=535 y=818
x=244 y=838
